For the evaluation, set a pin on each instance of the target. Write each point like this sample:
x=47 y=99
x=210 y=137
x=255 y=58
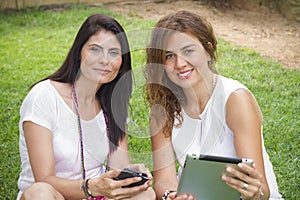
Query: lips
x=103 y=71
x=185 y=74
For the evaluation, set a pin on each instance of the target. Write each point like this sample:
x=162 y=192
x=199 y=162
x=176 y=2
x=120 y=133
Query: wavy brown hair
x=160 y=90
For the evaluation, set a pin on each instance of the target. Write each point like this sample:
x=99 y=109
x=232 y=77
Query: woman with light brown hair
x=195 y=110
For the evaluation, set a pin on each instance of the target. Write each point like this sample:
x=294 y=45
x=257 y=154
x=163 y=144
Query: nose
x=180 y=61
x=104 y=59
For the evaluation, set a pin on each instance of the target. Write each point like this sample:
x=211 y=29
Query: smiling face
x=186 y=61
x=101 y=58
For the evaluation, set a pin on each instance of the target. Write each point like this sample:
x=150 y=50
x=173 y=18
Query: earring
x=209 y=62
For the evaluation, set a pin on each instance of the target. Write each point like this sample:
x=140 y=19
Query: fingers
x=123 y=193
x=245 y=179
x=112 y=173
x=126 y=182
x=250 y=170
x=143 y=169
x=173 y=196
x=244 y=173
x=114 y=189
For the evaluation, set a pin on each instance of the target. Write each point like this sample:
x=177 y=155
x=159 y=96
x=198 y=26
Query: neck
x=84 y=98
x=197 y=97
x=86 y=92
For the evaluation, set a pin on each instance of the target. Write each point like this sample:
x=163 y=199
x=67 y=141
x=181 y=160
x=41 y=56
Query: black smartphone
x=129 y=173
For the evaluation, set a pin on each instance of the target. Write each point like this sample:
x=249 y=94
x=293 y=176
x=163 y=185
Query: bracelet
x=85 y=188
x=261 y=194
x=164 y=197
x=88 y=191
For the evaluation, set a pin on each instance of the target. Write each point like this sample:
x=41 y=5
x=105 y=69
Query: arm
x=165 y=177
x=40 y=150
x=120 y=158
x=244 y=118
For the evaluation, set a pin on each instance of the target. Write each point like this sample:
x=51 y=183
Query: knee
x=41 y=190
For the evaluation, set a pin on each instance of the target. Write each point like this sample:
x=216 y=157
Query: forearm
x=70 y=189
x=162 y=186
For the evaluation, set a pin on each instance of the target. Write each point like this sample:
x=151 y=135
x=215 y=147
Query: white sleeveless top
x=210 y=134
x=44 y=106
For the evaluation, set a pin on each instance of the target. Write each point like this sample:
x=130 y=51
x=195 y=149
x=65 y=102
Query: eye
x=114 y=52
x=95 y=49
x=169 y=55
x=188 y=51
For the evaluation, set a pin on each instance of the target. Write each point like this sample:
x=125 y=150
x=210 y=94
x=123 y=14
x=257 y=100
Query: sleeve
x=39 y=107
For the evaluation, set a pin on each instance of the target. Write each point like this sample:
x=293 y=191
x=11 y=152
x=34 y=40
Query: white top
x=210 y=134
x=44 y=106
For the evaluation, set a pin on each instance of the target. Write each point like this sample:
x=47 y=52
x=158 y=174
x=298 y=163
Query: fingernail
x=228 y=169
x=223 y=177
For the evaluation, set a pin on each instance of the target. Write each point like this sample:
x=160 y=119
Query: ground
x=260 y=29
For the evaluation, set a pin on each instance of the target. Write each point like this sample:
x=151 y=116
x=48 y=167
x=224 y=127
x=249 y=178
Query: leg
x=41 y=191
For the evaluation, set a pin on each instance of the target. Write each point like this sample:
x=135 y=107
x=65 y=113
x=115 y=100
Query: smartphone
x=129 y=173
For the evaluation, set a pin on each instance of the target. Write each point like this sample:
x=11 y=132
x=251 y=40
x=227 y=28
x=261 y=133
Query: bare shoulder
x=241 y=97
x=242 y=106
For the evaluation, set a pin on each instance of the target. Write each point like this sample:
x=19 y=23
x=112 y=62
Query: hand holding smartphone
x=130 y=173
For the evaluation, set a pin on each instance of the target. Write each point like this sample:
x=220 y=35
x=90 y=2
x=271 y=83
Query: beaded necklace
x=83 y=172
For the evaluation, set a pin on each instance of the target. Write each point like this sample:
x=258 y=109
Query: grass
x=34 y=43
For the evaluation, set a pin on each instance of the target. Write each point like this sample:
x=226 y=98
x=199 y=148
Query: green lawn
x=34 y=43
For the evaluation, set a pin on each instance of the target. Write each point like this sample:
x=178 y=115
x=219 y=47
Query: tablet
x=201 y=177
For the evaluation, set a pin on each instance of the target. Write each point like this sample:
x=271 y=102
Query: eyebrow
x=113 y=48
x=188 y=46
x=97 y=45
x=183 y=48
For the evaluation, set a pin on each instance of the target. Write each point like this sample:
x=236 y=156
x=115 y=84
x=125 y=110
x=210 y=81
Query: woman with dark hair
x=73 y=123
x=194 y=110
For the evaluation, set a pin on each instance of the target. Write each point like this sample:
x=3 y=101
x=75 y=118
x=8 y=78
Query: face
x=101 y=57
x=186 y=60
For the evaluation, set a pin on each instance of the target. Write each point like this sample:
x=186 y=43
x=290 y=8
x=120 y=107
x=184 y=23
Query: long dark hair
x=68 y=72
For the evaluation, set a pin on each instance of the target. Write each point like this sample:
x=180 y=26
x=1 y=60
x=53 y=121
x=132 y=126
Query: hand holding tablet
x=201 y=177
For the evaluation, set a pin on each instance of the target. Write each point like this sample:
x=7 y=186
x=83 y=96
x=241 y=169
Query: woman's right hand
x=173 y=196
x=106 y=186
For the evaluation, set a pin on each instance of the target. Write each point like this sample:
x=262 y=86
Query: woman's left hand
x=246 y=180
x=149 y=194
x=142 y=168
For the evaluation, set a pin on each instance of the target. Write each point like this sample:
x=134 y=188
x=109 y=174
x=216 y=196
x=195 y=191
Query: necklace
x=83 y=172
x=209 y=96
x=80 y=132
x=214 y=83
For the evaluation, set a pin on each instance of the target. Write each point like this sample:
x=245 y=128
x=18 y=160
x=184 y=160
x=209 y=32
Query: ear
x=210 y=44
x=209 y=62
